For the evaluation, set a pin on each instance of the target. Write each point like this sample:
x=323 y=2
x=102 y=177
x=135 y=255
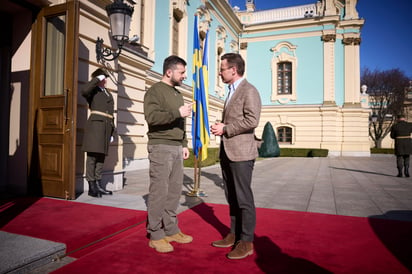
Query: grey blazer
x=241 y=116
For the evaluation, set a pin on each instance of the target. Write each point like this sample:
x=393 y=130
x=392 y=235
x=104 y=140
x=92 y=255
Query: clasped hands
x=217 y=129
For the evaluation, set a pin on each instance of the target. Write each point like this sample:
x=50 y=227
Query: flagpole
x=200 y=193
x=196 y=192
x=200 y=123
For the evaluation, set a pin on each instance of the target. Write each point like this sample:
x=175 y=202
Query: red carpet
x=285 y=242
x=75 y=224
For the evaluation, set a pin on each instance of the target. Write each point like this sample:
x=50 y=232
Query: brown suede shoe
x=228 y=241
x=241 y=250
x=161 y=246
x=180 y=238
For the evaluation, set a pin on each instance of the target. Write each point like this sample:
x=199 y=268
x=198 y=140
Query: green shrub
x=303 y=152
x=213 y=155
x=382 y=151
x=212 y=158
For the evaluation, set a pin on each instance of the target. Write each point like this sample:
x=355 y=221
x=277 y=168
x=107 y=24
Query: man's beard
x=175 y=83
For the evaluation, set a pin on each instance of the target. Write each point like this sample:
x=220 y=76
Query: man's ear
x=169 y=73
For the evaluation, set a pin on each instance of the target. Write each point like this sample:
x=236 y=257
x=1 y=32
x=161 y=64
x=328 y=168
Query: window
x=221 y=36
x=285 y=135
x=284 y=78
x=284 y=73
x=54 y=55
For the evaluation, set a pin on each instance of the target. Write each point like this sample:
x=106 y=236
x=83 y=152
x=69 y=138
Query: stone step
x=23 y=254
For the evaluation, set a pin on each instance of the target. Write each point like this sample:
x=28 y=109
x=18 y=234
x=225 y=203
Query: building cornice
x=223 y=7
x=357 y=23
x=284 y=25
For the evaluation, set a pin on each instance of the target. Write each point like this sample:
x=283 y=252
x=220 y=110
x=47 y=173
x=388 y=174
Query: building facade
x=304 y=61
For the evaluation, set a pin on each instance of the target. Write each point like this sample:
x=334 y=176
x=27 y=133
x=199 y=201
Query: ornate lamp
x=120 y=15
x=374 y=118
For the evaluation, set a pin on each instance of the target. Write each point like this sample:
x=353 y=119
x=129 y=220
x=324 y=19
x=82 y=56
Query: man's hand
x=217 y=129
x=185 y=110
x=185 y=153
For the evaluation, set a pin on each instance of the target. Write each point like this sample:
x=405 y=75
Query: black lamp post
x=120 y=15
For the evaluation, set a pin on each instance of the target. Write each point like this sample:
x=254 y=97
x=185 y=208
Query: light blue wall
x=162 y=34
x=309 y=54
x=309 y=75
x=162 y=40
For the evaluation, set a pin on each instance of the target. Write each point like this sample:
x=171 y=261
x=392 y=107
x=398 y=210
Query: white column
x=329 y=68
x=352 y=69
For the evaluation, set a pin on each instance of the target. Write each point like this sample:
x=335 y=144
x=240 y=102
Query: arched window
x=284 y=135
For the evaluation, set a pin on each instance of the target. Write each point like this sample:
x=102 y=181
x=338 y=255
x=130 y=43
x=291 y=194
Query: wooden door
x=54 y=78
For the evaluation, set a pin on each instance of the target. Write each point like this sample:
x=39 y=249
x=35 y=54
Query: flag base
x=196 y=193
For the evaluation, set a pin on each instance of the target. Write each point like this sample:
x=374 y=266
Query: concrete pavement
x=350 y=186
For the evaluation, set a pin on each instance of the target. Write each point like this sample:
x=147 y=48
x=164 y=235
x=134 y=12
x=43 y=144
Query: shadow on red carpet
x=395 y=235
x=285 y=242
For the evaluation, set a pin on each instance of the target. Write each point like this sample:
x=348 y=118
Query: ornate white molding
x=234 y=47
x=204 y=18
x=291 y=48
x=283 y=52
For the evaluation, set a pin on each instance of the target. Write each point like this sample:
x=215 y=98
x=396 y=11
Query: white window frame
x=283 y=52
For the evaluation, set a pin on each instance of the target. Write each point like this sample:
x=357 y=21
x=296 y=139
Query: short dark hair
x=171 y=61
x=236 y=60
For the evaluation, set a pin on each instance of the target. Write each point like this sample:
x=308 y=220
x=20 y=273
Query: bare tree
x=386 y=91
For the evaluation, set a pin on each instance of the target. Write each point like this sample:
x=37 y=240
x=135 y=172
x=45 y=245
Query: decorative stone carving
x=179 y=8
x=234 y=46
x=205 y=18
x=350 y=10
x=351 y=41
x=329 y=37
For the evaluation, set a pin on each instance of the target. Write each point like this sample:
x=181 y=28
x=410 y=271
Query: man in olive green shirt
x=165 y=113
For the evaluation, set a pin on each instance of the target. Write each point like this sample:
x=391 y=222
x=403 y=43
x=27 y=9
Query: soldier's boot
x=93 y=191
x=101 y=189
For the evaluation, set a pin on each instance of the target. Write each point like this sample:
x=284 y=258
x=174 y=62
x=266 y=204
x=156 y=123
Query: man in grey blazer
x=238 y=151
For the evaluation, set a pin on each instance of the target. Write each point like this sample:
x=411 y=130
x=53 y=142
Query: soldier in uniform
x=401 y=132
x=99 y=130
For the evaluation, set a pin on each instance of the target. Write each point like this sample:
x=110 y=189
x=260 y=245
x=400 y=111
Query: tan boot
x=161 y=246
x=228 y=241
x=179 y=238
x=241 y=250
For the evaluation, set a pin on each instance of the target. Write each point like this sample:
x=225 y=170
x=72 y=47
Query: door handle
x=65 y=110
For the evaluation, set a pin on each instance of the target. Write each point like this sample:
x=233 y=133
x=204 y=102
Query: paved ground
x=352 y=186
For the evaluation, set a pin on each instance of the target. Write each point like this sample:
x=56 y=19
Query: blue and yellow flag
x=200 y=118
